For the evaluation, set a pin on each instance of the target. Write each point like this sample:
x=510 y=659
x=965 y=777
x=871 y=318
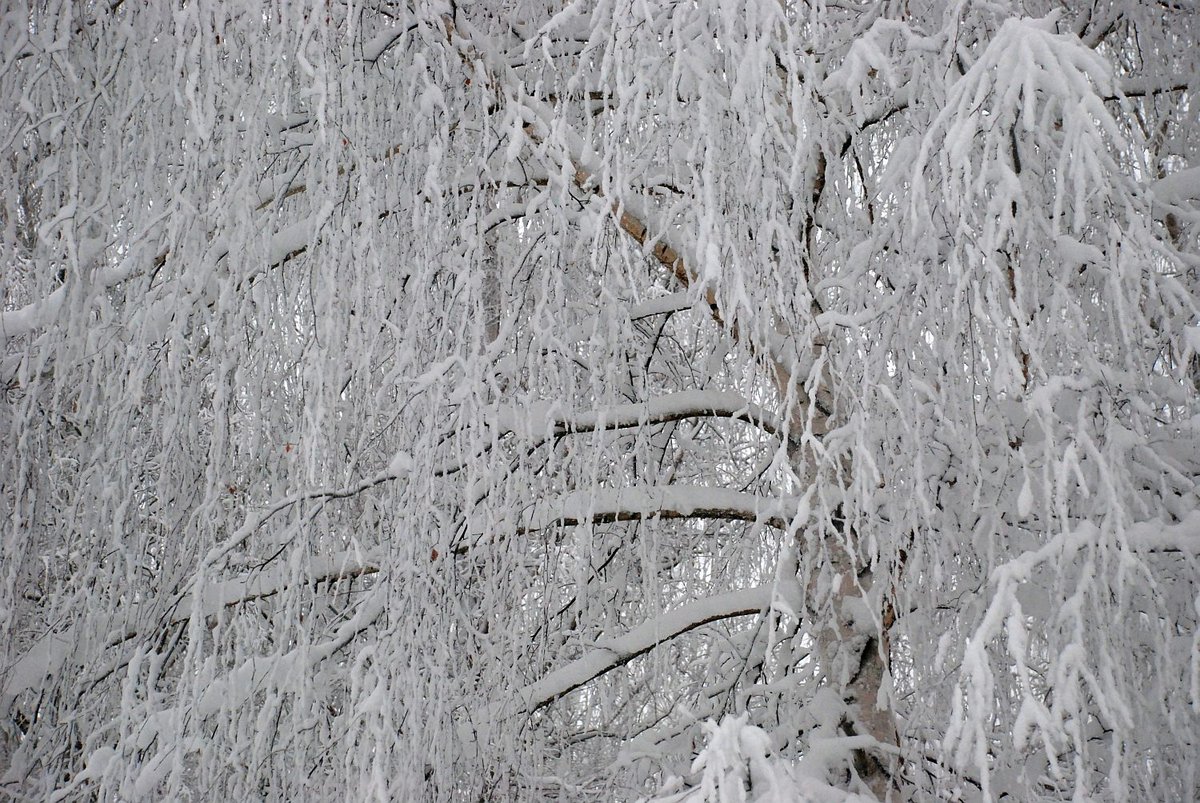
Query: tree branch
x=612 y=652
x=603 y=505
x=546 y=420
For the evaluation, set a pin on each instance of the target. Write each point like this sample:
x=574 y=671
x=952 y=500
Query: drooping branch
x=546 y=129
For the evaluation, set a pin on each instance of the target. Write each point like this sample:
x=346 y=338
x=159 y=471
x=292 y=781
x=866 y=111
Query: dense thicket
x=610 y=399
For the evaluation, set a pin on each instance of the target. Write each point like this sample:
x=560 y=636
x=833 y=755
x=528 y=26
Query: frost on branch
x=515 y=401
x=737 y=765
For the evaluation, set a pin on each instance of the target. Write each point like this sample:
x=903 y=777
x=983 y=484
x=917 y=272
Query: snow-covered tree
x=600 y=400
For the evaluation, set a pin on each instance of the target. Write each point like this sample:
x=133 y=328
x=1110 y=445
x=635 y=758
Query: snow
x=613 y=651
x=379 y=382
x=1074 y=253
x=624 y=504
x=271 y=581
x=1179 y=187
x=544 y=419
x=17 y=322
x=44 y=659
x=400 y=464
x=1191 y=336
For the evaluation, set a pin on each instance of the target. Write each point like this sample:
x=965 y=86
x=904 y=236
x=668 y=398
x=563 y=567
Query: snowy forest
x=641 y=400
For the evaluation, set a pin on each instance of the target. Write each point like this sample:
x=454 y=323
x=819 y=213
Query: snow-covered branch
x=611 y=652
x=46 y=655
x=547 y=130
x=548 y=420
x=268 y=582
x=374 y=372
x=601 y=505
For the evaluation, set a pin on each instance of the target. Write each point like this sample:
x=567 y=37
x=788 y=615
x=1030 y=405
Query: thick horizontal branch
x=1143 y=87
x=612 y=652
x=603 y=505
x=546 y=420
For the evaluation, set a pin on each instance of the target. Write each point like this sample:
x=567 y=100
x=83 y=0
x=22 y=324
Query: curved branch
x=615 y=651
